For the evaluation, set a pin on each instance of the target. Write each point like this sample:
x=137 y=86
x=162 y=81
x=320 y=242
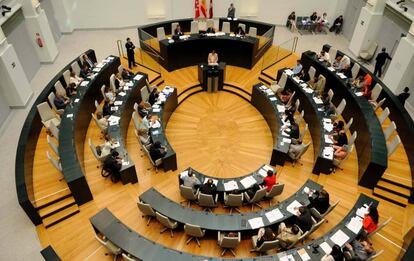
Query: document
x=355 y=224
x=114 y=108
x=285 y=134
x=155 y=125
x=274 y=215
x=96 y=69
x=273 y=99
x=76 y=100
x=112 y=123
x=362 y=211
x=328 y=126
x=100 y=65
x=122 y=94
x=303 y=85
x=342 y=76
x=269 y=92
x=318 y=100
x=69 y=115
x=289 y=72
x=155 y=106
x=256 y=222
x=84 y=83
x=184 y=174
x=339 y=238
x=331 y=69
x=125 y=163
x=328 y=153
x=285 y=257
x=303 y=254
x=262 y=173
x=110 y=58
x=156 y=110
x=114 y=118
x=248 y=182
x=286 y=140
x=326 y=248
x=267 y=167
x=230 y=185
x=297 y=80
x=116 y=103
x=358 y=93
x=328 y=139
x=292 y=206
x=280 y=108
x=129 y=84
x=215 y=181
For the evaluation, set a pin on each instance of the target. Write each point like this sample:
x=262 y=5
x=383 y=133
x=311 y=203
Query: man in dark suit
x=157 y=151
x=402 y=97
x=130 y=53
x=381 y=58
x=209 y=188
x=304 y=219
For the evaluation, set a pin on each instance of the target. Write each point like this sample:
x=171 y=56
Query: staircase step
x=398 y=182
x=391 y=197
x=56 y=207
x=267 y=76
x=47 y=201
x=391 y=187
x=60 y=216
x=238 y=92
x=185 y=94
x=265 y=80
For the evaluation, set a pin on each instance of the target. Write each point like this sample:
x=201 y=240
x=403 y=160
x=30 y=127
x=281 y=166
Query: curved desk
x=272 y=109
x=194 y=50
x=119 y=132
x=105 y=223
x=370 y=144
x=164 y=113
x=222 y=222
x=26 y=147
x=73 y=129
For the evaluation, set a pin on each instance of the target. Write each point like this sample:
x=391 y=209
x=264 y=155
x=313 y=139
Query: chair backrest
x=145 y=209
x=128 y=257
x=112 y=82
x=98 y=107
x=252 y=31
x=187 y=192
x=243 y=26
x=51 y=98
x=289 y=103
x=393 y=145
x=52 y=144
x=193 y=230
x=120 y=69
x=330 y=94
x=205 y=200
x=348 y=125
x=136 y=107
x=164 y=220
x=59 y=88
x=353 y=138
x=332 y=53
x=316 y=226
x=113 y=249
x=54 y=162
x=282 y=80
x=379 y=104
x=380 y=226
x=303 y=132
x=355 y=70
x=340 y=107
x=312 y=72
x=276 y=190
x=202 y=25
x=259 y=195
x=54 y=130
x=304 y=150
x=372 y=49
x=300 y=117
x=390 y=130
x=75 y=68
x=100 y=126
x=229 y=242
x=210 y=23
x=226 y=27
x=234 y=200
x=268 y=245
x=384 y=115
x=303 y=236
x=144 y=93
x=322 y=80
x=297 y=104
x=376 y=92
x=375 y=255
x=137 y=120
x=161 y=33
x=194 y=27
x=173 y=26
x=103 y=91
x=331 y=207
x=66 y=77
x=93 y=149
x=45 y=111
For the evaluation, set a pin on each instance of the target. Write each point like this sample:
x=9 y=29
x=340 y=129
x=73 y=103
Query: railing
x=282 y=51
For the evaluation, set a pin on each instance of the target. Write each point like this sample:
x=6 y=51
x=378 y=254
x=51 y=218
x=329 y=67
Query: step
x=60 y=216
x=265 y=80
x=399 y=182
x=391 y=187
x=56 y=197
x=56 y=207
x=267 y=76
x=391 y=197
x=186 y=94
x=237 y=91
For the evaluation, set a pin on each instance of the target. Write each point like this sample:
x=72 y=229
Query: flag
x=197 y=8
x=210 y=15
x=203 y=8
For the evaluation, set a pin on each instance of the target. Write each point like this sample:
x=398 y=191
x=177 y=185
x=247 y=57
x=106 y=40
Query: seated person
x=321 y=23
x=269 y=180
x=212 y=58
x=288 y=236
x=285 y=95
x=153 y=96
x=143 y=109
x=126 y=75
x=146 y=121
x=367 y=91
x=338 y=126
x=60 y=101
x=359 y=249
x=113 y=164
x=341 y=62
x=358 y=82
x=177 y=30
x=298 y=68
x=340 y=153
x=328 y=108
x=370 y=221
x=304 y=219
x=303 y=76
x=157 y=151
x=337 y=24
x=324 y=56
x=71 y=89
x=109 y=94
x=319 y=200
x=211 y=30
x=341 y=140
x=144 y=137
x=347 y=71
x=263 y=235
x=119 y=82
x=75 y=79
x=85 y=72
x=335 y=255
x=106 y=108
x=293 y=130
x=240 y=31
x=105 y=149
x=209 y=188
x=291 y=22
x=190 y=180
x=102 y=120
x=86 y=61
x=296 y=149
x=318 y=84
x=367 y=80
x=313 y=17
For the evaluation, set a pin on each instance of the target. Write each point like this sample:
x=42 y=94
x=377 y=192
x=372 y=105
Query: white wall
x=128 y=13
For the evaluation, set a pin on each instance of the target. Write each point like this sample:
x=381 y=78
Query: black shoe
x=6 y=8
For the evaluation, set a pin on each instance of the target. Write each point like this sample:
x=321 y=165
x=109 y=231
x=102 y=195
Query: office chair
x=297 y=159
x=195 y=232
x=228 y=243
x=66 y=77
x=52 y=145
x=315 y=213
x=384 y=115
x=348 y=125
x=258 y=196
x=167 y=223
x=207 y=201
x=379 y=227
x=128 y=257
x=393 y=145
x=266 y=246
x=146 y=211
x=355 y=70
x=51 y=99
x=113 y=249
x=98 y=107
x=368 y=54
x=389 y=130
x=189 y=194
x=75 y=68
x=47 y=116
x=233 y=201
x=276 y=190
x=56 y=163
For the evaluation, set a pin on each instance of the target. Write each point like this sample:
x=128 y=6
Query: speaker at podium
x=211 y=76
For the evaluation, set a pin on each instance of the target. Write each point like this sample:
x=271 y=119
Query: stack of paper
x=155 y=125
x=292 y=206
x=285 y=134
x=256 y=222
x=327 y=120
x=355 y=225
x=129 y=84
x=285 y=257
x=118 y=103
x=76 y=100
x=303 y=85
x=328 y=126
x=69 y=115
x=184 y=174
x=247 y=182
x=263 y=88
x=341 y=75
x=318 y=100
x=328 y=152
x=114 y=118
x=296 y=79
x=100 y=65
x=84 y=83
x=326 y=248
x=97 y=69
x=303 y=254
x=114 y=108
x=125 y=162
x=155 y=106
x=115 y=145
x=308 y=90
x=215 y=181
x=230 y=185
x=156 y=110
x=274 y=215
x=362 y=211
x=262 y=172
x=328 y=139
x=339 y=238
x=273 y=98
x=280 y=108
x=110 y=58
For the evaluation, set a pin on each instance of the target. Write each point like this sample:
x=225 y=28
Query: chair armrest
x=247 y=196
x=216 y=199
x=218 y=237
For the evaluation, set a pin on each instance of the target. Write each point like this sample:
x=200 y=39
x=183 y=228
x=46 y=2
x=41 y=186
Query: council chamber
x=207 y=130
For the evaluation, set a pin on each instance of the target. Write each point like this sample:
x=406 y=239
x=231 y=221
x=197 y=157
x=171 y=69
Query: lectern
x=212 y=77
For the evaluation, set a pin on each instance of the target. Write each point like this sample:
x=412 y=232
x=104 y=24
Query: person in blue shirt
x=296 y=70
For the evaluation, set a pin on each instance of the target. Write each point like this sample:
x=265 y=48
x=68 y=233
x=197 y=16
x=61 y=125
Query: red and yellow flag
x=196 y=9
x=203 y=8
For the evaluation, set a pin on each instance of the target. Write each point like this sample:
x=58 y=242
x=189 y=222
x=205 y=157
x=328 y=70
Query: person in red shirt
x=270 y=180
x=370 y=222
x=367 y=86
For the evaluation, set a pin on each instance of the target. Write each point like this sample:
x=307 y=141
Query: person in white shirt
x=322 y=22
x=75 y=79
x=213 y=58
x=296 y=70
x=144 y=137
x=341 y=62
x=324 y=56
x=109 y=94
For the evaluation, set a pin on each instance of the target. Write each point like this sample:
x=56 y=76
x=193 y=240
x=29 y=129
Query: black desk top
x=221 y=222
x=105 y=223
x=193 y=38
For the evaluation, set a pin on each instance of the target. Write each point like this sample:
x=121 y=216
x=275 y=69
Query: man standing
x=130 y=53
x=231 y=12
x=381 y=58
x=404 y=95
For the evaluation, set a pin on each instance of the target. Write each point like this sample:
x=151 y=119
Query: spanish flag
x=203 y=8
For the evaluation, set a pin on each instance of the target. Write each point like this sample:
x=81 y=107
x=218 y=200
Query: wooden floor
x=221 y=135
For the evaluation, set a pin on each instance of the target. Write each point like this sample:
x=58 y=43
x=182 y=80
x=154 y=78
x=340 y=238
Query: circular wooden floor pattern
x=219 y=134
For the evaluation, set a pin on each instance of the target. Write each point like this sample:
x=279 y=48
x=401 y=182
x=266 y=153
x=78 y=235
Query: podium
x=211 y=77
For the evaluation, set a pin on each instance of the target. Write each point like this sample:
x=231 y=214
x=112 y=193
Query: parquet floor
x=221 y=135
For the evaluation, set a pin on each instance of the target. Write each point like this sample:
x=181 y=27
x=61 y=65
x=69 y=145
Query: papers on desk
x=184 y=37
x=116 y=103
x=328 y=152
x=285 y=134
x=97 y=69
x=184 y=174
x=115 y=145
x=155 y=125
x=129 y=84
x=112 y=123
x=69 y=115
x=303 y=254
x=168 y=89
x=280 y=108
x=321 y=59
x=318 y=100
x=339 y=238
x=326 y=248
x=110 y=58
x=285 y=257
x=256 y=222
x=274 y=215
x=331 y=69
x=289 y=72
x=76 y=100
x=286 y=140
x=327 y=120
x=355 y=225
x=262 y=172
x=292 y=206
x=155 y=106
x=230 y=185
x=273 y=98
x=248 y=182
x=362 y=211
x=114 y=108
x=328 y=139
x=156 y=110
x=308 y=90
x=341 y=75
x=122 y=94
x=114 y=118
x=267 y=167
x=296 y=79
x=171 y=41
x=303 y=85
x=215 y=181
x=359 y=94
x=156 y=132
x=263 y=88
x=321 y=109
x=84 y=83
x=327 y=125
x=125 y=163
